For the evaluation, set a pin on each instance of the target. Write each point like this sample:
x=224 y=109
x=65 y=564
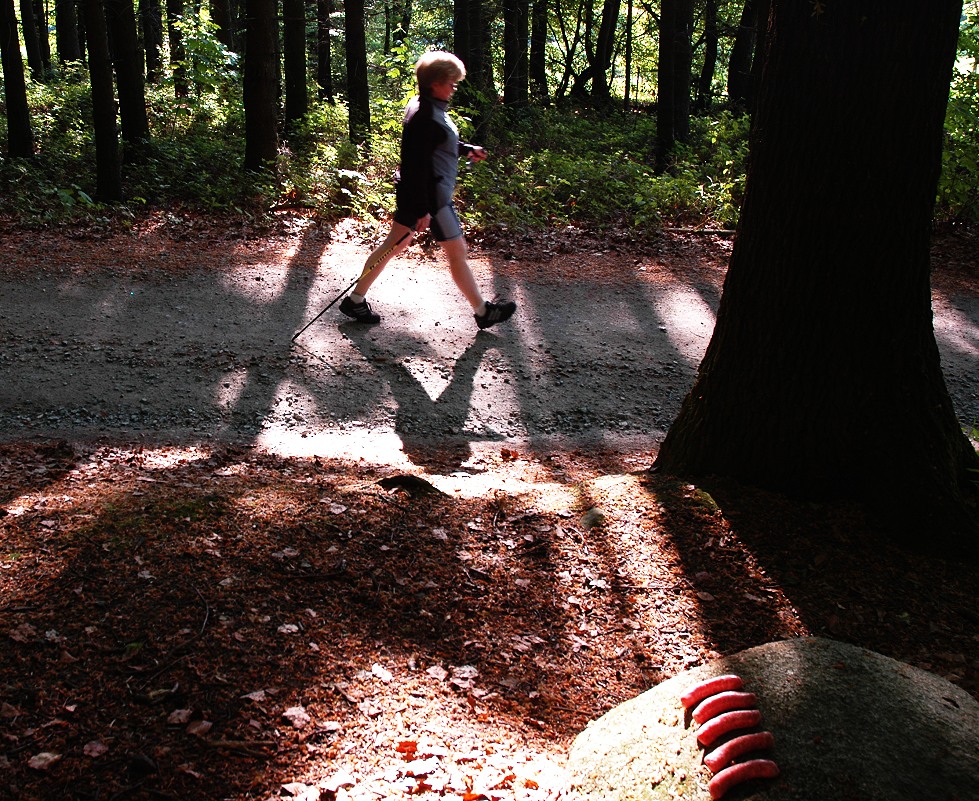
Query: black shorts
x=444 y=224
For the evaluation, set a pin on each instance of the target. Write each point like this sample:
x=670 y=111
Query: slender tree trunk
x=223 y=17
x=324 y=50
x=20 y=137
x=178 y=53
x=31 y=45
x=538 y=51
x=294 y=53
x=108 y=159
x=358 y=89
x=823 y=376
x=261 y=85
x=66 y=31
x=705 y=86
x=121 y=21
x=739 y=62
x=516 y=79
x=666 y=85
x=151 y=23
x=43 y=38
x=627 y=96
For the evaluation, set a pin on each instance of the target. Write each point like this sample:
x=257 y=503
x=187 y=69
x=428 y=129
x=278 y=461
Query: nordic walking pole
x=380 y=258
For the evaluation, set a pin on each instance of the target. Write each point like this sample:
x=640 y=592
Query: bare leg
x=398 y=238
x=456 y=252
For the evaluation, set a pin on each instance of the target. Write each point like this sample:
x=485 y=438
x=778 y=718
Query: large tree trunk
x=294 y=56
x=121 y=19
x=20 y=137
x=108 y=159
x=823 y=376
x=358 y=88
x=66 y=31
x=739 y=60
x=705 y=85
x=260 y=85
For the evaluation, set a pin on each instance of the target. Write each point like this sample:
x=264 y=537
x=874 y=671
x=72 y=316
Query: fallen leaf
x=297 y=716
x=199 y=728
x=44 y=760
x=95 y=749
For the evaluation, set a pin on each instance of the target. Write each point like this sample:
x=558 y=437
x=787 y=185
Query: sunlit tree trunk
x=20 y=137
x=823 y=376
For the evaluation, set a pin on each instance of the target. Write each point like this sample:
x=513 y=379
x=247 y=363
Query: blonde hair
x=437 y=66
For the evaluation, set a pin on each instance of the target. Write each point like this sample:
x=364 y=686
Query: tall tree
x=673 y=78
x=358 y=89
x=745 y=58
x=516 y=39
x=823 y=376
x=178 y=51
x=108 y=159
x=294 y=57
x=260 y=85
x=43 y=39
x=538 y=50
x=66 y=31
x=151 y=24
x=473 y=44
x=598 y=52
x=223 y=17
x=324 y=49
x=128 y=63
x=20 y=136
x=711 y=39
x=31 y=44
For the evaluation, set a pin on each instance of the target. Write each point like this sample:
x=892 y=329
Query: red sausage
x=699 y=692
x=741 y=772
x=724 y=754
x=727 y=722
x=723 y=702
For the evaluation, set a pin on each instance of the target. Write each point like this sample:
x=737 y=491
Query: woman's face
x=443 y=90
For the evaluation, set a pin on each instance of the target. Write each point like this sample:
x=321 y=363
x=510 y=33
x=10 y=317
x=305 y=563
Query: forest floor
x=409 y=560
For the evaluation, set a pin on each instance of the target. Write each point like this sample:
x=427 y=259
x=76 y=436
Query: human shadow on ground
x=432 y=430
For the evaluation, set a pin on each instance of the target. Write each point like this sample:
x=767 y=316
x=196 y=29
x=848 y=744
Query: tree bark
x=178 y=53
x=739 y=61
x=31 y=45
x=260 y=85
x=823 y=377
x=121 y=21
x=66 y=31
x=538 y=51
x=151 y=23
x=358 y=89
x=20 y=137
x=324 y=50
x=516 y=34
x=294 y=57
x=108 y=159
x=705 y=85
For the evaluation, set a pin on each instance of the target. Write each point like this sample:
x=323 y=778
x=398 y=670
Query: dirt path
x=174 y=339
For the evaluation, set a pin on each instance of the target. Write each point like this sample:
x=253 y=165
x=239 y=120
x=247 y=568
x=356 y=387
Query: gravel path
x=104 y=344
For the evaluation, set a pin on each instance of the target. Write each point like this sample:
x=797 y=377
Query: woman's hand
x=477 y=154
